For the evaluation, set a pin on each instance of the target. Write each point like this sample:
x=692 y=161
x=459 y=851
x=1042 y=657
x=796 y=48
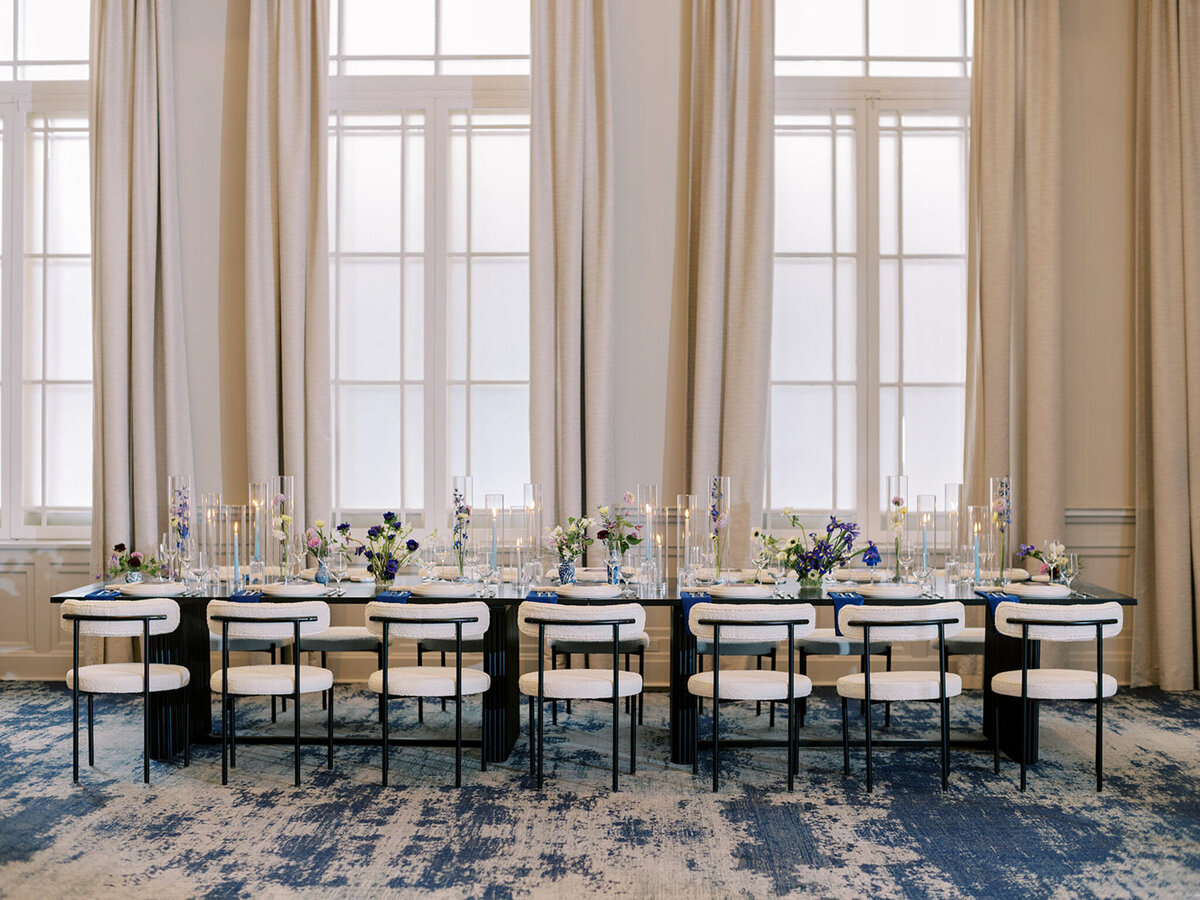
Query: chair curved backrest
x=275 y=631
x=1064 y=612
x=574 y=620
x=742 y=616
x=154 y=606
x=850 y=620
x=435 y=630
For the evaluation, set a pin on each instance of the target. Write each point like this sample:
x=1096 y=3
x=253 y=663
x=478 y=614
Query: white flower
x=603 y=510
x=320 y=523
x=787 y=510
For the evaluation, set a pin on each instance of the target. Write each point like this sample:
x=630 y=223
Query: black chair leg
x=187 y=729
x=945 y=705
x=458 y=740
x=482 y=735
x=329 y=727
x=443 y=666
x=273 y=713
x=629 y=699
x=324 y=665
x=716 y=725
x=296 y=730
x=867 y=717
x=554 y=703
x=91 y=737
x=887 y=705
x=1024 y=738
x=568 y=702
x=696 y=739
x=641 y=697
x=383 y=702
x=420 y=700
x=633 y=723
x=1099 y=745
x=75 y=724
x=232 y=734
x=845 y=742
x=532 y=741
x=758 y=704
x=995 y=736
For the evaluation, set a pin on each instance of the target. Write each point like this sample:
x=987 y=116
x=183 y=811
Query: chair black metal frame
x=457 y=622
x=758 y=660
x=1098 y=700
x=793 y=730
x=228 y=726
x=146 y=619
x=471 y=646
x=943 y=701
x=587 y=663
x=536 y=759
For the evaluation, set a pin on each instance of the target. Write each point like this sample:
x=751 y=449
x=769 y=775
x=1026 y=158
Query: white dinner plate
x=890 y=591
x=1032 y=591
x=443 y=589
x=862 y=575
x=741 y=592
x=295 y=589
x=594 y=574
x=589 y=591
x=152 y=589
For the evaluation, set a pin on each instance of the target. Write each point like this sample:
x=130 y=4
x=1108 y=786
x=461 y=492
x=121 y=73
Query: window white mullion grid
x=437 y=235
x=868 y=332
x=13 y=226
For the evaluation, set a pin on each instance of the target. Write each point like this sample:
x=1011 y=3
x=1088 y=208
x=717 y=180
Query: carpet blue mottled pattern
x=664 y=835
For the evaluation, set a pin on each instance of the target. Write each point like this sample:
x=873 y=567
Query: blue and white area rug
x=664 y=835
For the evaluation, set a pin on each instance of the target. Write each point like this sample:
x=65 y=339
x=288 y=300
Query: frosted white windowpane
x=414 y=192
x=53 y=30
x=935 y=320
x=500 y=319
x=802 y=326
x=819 y=67
x=819 y=28
x=847 y=202
x=68 y=320
x=935 y=209
x=458 y=192
x=31 y=446
x=922 y=119
x=801 y=451
x=485 y=27
x=889 y=321
x=890 y=462
x=847 y=447
x=916 y=27
x=371 y=192
x=68 y=445
x=803 y=193
x=77 y=72
x=414 y=319
x=457 y=321
x=387 y=27
x=456 y=422
x=933 y=435
x=32 y=318
x=484 y=66
x=500 y=192
x=369 y=435
x=414 y=447
x=889 y=176
x=847 y=319
x=331 y=183
x=500 y=438
x=388 y=67
x=6 y=31
x=68 y=209
x=898 y=69
x=369 y=330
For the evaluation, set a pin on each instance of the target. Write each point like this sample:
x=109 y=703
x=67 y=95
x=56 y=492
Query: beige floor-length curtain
x=142 y=424
x=572 y=425
x=287 y=247
x=1167 y=289
x=1014 y=265
x=730 y=245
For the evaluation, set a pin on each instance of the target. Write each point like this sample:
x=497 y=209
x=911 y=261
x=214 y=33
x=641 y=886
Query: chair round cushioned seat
x=266 y=680
x=827 y=642
x=126 y=678
x=905 y=685
x=442 y=645
x=581 y=684
x=428 y=681
x=245 y=645
x=749 y=684
x=628 y=645
x=341 y=638
x=737 y=648
x=1054 y=684
x=969 y=640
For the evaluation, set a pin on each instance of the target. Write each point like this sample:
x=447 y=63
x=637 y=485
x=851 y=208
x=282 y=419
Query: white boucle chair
x=895 y=624
x=122 y=618
x=1061 y=622
x=611 y=623
x=740 y=624
x=247 y=646
x=456 y=622
x=271 y=622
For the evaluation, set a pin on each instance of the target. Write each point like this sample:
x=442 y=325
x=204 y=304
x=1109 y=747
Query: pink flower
x=1045 y=569
x=314 y=542
x=279 y=499
x=628 y=498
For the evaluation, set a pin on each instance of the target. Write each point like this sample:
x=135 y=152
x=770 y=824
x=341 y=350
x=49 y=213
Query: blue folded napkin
x=393 y=596
x=103 y=594
x=840 y=599
x=246 y=596
x=542 y=596
x=690 y=599
x=995 y=598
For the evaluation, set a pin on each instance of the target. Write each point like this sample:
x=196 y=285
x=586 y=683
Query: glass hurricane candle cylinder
x=208 y=518
x=533 y=520
x=462 y=500
x=716 y=526
x=232 y=540
x=179 y=522
x=979 y=541
x=277 y=541
x=952 y=516
x=259 y=528
x=493 y=505
x=685 y=561
x=927 y=525
x=647 y=505
x=1001 y=494
x=896 y=521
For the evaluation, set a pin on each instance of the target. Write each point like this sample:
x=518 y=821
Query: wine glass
x=441 y=552
x=297 y=551
x=339 y=567
x=1069 y=570
x=906 y=556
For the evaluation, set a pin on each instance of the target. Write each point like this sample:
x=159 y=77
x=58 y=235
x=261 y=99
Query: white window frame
x=18 y=101
x=437 y=96
x=866 y=97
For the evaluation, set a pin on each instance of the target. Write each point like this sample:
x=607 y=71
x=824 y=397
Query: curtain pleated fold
x=730 y=246
x=572 y=317
x=142 y=422
x=287 y=250
x=1166 y=643
x=1014 y=388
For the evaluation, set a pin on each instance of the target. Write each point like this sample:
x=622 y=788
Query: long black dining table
x=189 y=646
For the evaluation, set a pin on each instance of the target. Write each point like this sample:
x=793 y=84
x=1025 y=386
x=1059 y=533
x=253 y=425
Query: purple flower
x=389 y=517
x=412 y=545
x=279 y=500
x=392 y=567
x=135 y=560
x=871 y=554
x=119 y=548
x=373 y=532
x=344 y=528
x=358 y=551
x=1024 y=550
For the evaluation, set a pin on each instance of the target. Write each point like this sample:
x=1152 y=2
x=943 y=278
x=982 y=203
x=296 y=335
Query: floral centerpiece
x=281 y=526
x=461 y=533
x=180 y=524
x=387 y=549
x=812 y=556
x=718 y=520
x=617 y=534
x=1054 y=558
x=1002 y=519
x=320 y=539
x=132 y=564
x=569 y=543
x=897 y=519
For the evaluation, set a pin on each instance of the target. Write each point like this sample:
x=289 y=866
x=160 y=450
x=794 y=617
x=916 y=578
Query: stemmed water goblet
x=905 y=557
x=339 y=567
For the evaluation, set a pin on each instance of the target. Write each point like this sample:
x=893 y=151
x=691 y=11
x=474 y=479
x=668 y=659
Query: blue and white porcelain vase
x=612 y=567
x=322 y=576
x=566 y=571
x=133 y=577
